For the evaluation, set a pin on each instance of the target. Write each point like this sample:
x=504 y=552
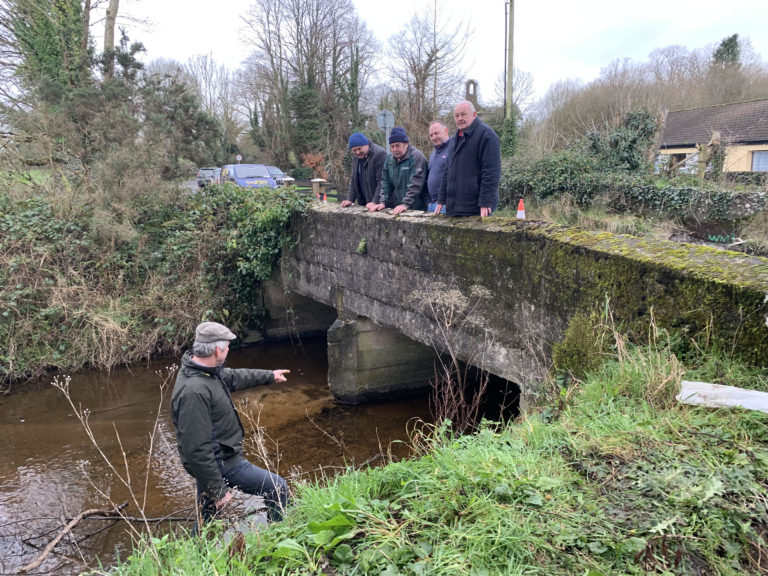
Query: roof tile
x=742 y=122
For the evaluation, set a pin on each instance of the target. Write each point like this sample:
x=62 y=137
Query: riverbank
x=613 y=477
x=87 y=283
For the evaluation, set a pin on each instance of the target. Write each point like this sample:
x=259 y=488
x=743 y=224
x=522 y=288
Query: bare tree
x=673 y=78
x=425 y=65
x=311 y=59
x=522 y=92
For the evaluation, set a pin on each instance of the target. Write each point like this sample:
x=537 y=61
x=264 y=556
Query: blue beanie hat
x=398 y=135
x=357 y=139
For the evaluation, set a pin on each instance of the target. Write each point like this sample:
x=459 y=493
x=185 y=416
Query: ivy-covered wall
x=500 y=292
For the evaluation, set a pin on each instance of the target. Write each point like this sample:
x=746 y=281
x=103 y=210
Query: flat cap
x=208 y=332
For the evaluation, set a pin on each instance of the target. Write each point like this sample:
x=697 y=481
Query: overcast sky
x=554 y=39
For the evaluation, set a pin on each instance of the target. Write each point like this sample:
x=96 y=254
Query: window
x=760 y=161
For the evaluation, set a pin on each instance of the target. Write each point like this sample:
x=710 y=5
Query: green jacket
x=209 y=434
x=405 y=182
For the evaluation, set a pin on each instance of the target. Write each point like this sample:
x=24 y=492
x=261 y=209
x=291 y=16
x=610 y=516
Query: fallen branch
x=52 y=544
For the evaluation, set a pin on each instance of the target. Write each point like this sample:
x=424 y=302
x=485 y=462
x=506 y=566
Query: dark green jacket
x=405 y=182
x=209 y=434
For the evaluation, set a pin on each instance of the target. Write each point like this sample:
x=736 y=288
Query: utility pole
x=509 y=70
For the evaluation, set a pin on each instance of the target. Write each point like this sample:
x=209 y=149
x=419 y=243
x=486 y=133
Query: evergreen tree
x=48 y=36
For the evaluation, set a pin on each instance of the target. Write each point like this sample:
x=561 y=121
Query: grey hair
x=471 y=106
x=206 y=349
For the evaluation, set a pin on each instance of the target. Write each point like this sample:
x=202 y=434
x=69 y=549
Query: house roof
x=742 y=123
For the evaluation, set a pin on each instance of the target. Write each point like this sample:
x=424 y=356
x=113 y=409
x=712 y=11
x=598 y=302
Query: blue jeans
x=433 y=205
x=252 y=480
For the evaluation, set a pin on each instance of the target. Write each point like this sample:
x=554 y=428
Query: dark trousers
x=250 y=479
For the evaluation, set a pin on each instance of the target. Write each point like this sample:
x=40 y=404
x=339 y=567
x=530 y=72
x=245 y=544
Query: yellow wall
x=737 y=158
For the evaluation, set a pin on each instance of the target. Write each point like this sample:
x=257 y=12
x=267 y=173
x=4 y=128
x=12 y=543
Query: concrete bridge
x=496 y=293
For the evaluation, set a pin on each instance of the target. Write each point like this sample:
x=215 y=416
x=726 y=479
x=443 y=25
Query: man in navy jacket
x=470 y=185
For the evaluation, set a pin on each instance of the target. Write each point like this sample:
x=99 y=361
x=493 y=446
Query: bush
x=568 y=172
x=71 y=294
x=598 y=164
x=583 y=347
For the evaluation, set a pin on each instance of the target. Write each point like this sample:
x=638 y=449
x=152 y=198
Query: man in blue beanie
x=365 y=184
x=404 y=179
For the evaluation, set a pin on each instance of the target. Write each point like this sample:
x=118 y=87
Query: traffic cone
x=521 y=209
x=325 y=198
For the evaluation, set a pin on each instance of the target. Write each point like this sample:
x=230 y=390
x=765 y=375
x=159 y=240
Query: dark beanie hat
x=357 y=139
x=398 y=135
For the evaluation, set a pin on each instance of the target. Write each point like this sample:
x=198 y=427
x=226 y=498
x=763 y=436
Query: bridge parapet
x=500 y=292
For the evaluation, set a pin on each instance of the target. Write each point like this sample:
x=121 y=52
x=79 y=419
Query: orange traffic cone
x=325 y=198
x=521 y=209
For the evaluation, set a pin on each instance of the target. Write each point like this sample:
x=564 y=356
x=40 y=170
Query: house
x=741 y=129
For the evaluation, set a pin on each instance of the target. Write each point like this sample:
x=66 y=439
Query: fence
x=332 y=191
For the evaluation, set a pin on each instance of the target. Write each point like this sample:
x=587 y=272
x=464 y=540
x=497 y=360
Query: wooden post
x=317 y=184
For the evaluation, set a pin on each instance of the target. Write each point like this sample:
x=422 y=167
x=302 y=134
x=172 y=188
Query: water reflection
x=50 y=471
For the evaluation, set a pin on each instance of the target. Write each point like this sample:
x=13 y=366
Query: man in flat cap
x=209 y=434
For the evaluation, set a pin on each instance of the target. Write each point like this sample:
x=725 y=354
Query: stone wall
x=499 y=293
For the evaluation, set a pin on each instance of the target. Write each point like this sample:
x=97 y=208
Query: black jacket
x=472 y=171
x=209 y=434
x=372 y=166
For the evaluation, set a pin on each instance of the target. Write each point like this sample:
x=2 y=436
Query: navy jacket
x=473 y=171
x=437 y=162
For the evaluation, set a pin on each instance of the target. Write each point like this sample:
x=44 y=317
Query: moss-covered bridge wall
x=500 y=292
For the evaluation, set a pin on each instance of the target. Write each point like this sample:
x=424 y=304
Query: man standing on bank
x=404 y=178
x=473 y=169
x=209 y=434
x=365 y=184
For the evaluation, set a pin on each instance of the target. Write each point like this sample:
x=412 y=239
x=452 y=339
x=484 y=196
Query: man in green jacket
x=209 y=434
x=404 y=178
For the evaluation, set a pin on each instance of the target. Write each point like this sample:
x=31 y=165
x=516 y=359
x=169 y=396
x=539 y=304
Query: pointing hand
x=280 y=375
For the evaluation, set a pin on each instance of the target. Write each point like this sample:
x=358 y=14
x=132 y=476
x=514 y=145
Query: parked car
x=248 y=175
x=277 y=174
x=205 y=176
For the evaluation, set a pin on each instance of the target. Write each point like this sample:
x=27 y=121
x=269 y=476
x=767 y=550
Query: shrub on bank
x=75 y=292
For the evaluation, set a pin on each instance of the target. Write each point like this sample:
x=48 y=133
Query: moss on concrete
x=689 y=289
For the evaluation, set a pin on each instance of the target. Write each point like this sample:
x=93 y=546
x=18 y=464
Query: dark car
x=248 y=175
x=277 y=174
x=206 y=176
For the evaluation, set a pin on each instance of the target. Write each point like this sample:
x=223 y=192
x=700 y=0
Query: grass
x=614 y=477
x=753 y=234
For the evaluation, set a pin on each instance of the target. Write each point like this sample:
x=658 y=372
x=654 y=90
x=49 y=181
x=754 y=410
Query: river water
x=50 y=470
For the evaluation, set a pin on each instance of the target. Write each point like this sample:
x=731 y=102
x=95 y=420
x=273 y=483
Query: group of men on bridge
x=461 y=177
